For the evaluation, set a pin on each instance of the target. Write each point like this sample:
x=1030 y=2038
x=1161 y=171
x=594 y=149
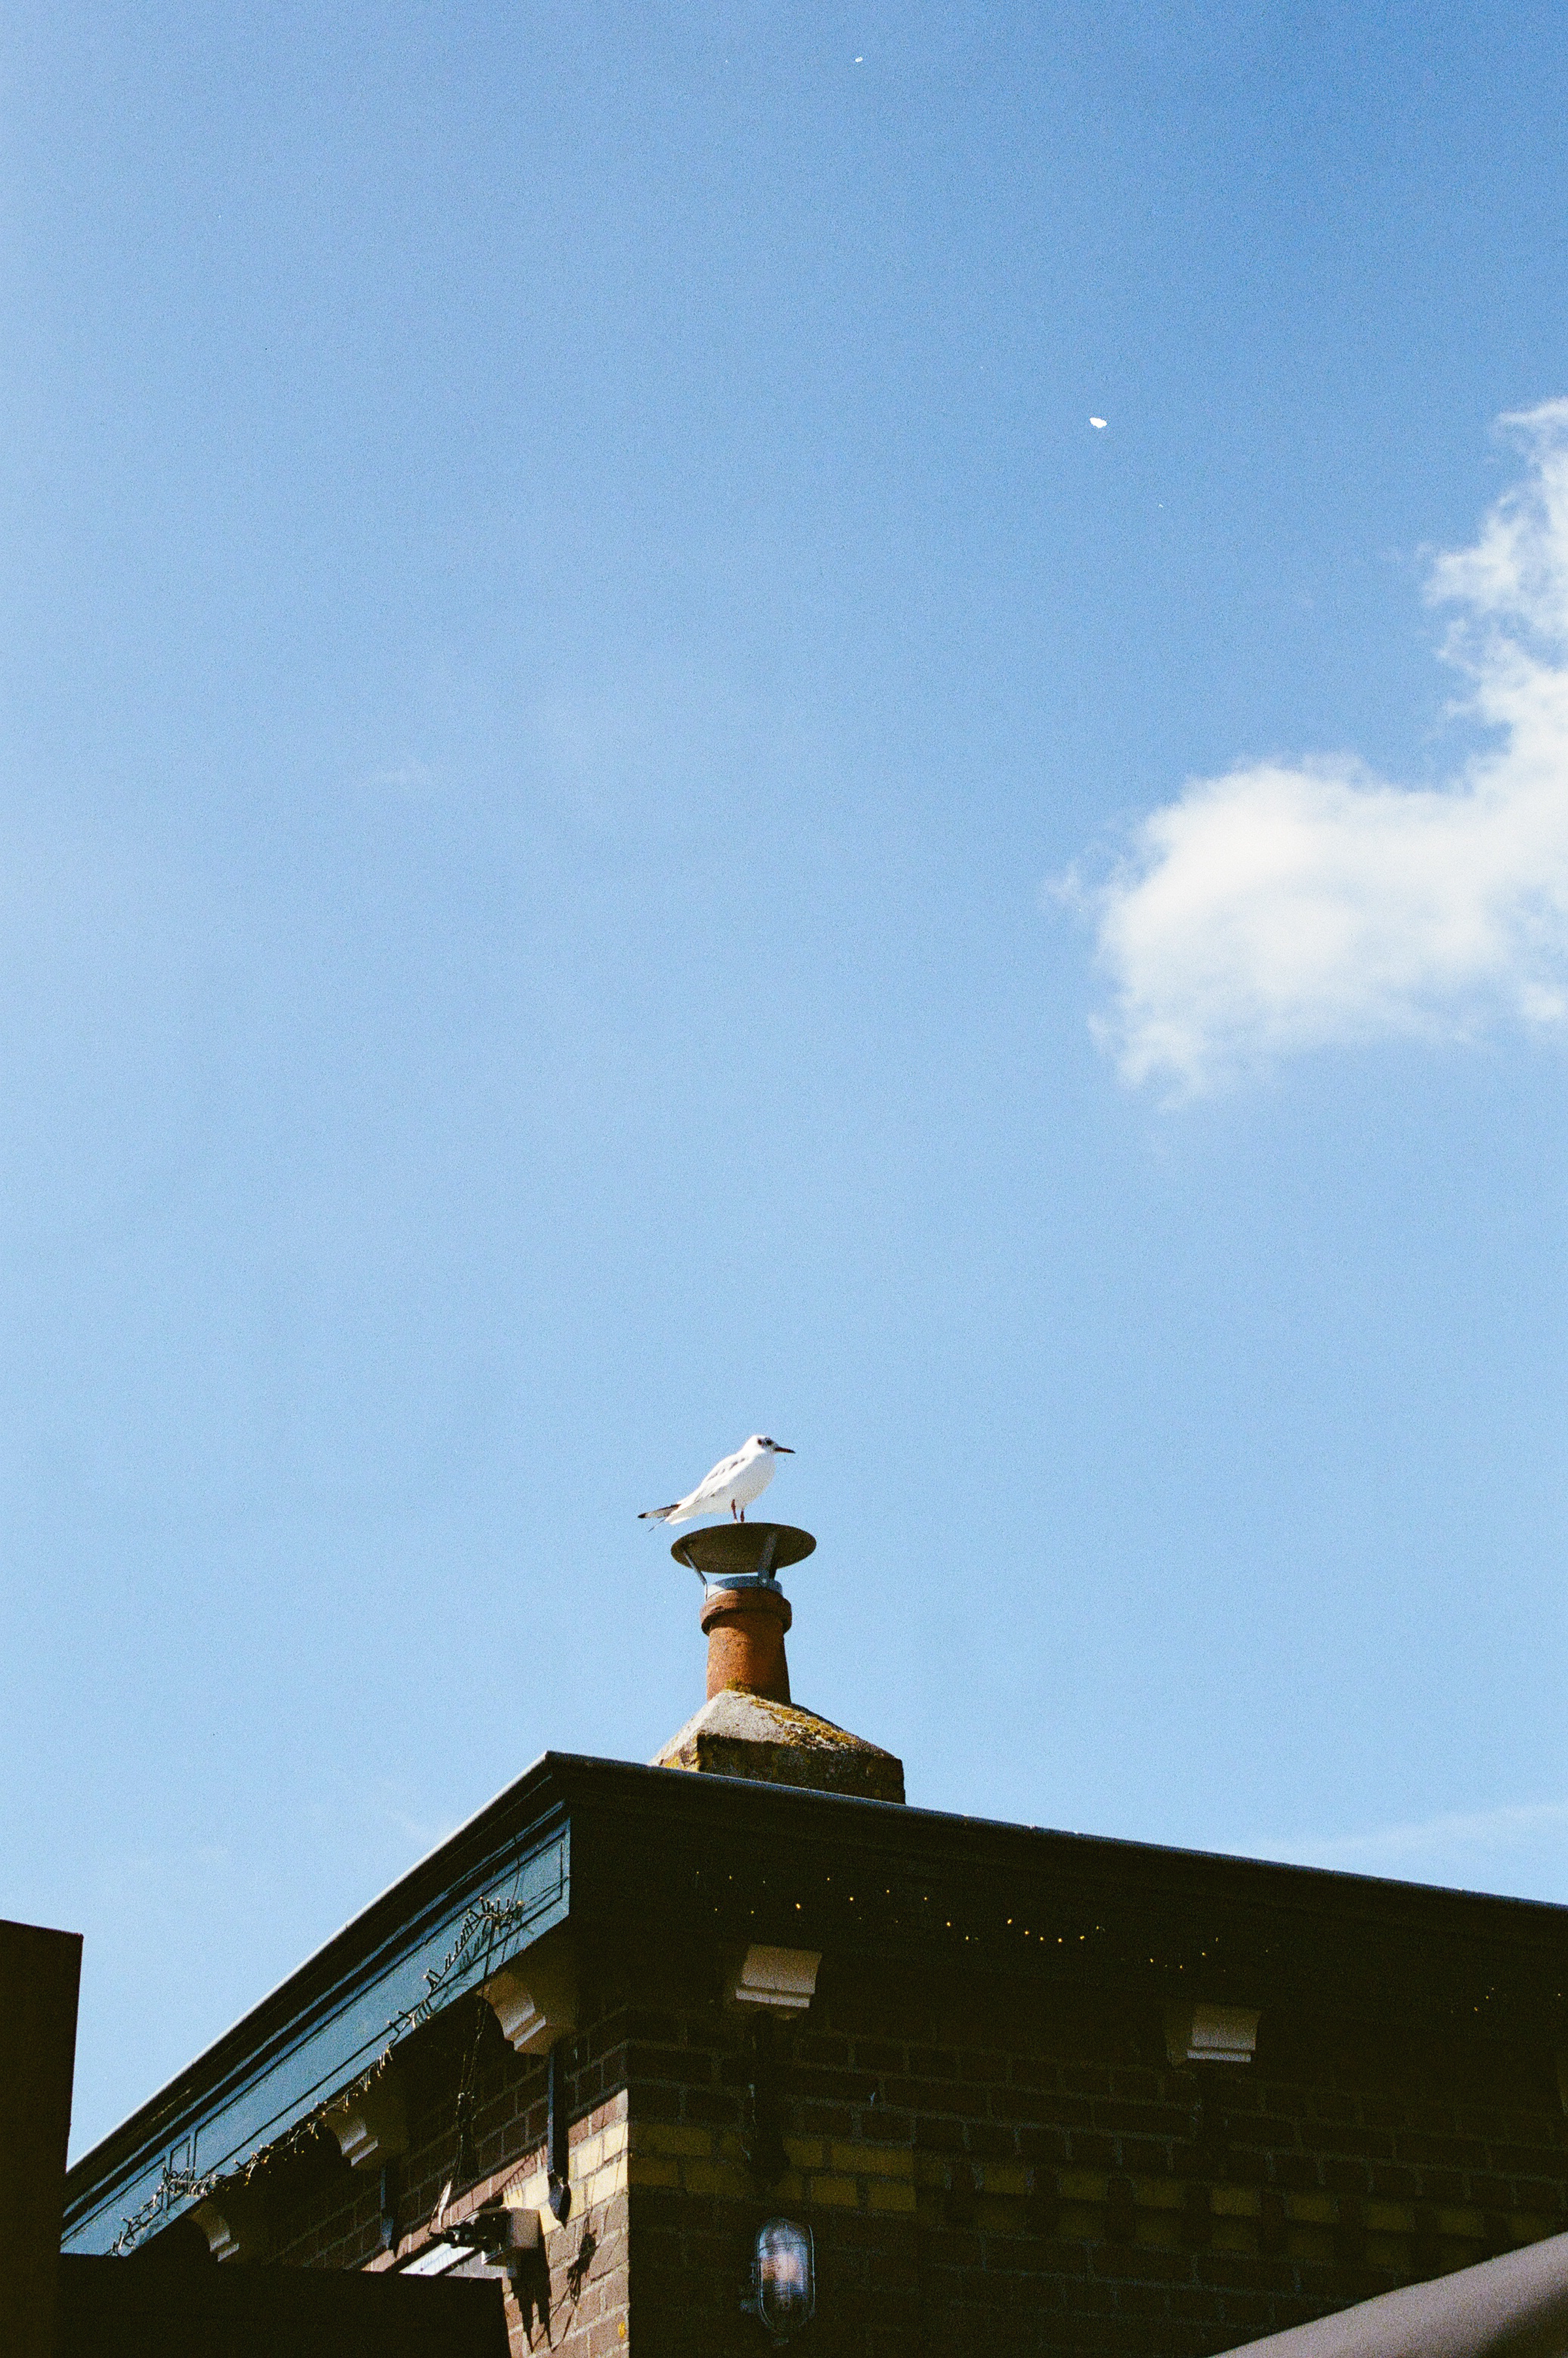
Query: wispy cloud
x=405 y=777
x=1448 y=1843
x=1295 y=905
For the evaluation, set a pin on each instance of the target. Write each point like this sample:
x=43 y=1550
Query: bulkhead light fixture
x=784 y=2279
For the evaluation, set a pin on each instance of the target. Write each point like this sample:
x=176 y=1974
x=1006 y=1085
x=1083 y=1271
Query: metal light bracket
x=764 y=2145
x=558 y=2156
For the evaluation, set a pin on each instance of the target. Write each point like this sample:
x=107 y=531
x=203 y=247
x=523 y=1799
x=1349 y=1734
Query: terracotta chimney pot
x=745 y=1629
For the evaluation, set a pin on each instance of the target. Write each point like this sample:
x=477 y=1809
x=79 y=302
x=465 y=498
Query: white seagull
x=735 y=1482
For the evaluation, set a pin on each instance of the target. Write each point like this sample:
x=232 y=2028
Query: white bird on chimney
x=735 y=1482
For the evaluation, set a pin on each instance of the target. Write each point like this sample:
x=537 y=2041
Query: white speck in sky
x=859 y=61
x=1097 y=421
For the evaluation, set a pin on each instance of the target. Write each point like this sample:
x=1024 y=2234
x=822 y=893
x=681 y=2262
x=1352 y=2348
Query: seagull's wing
x=710 y=1492
x=716 y=1481
x=714 y=1485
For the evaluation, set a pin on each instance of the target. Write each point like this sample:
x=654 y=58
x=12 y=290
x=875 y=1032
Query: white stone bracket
x=233 y=2219
x=534 y=1997
x=781 y=1981
x=371 y=2124
x=1197 y=2033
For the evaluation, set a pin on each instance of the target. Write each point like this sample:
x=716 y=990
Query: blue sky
x=619 y=826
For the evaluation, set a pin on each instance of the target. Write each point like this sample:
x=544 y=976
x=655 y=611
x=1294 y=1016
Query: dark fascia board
x=659 y=1800
x=612 y=1845
x=1024 y=1899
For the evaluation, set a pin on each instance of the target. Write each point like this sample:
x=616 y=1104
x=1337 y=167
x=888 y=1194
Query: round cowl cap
x=729 y=1552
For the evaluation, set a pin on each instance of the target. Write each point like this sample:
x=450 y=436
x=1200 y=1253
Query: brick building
x=1029 y=2092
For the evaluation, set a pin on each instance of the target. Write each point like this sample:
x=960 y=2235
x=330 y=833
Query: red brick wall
x=984 y=2170
x=575 y=2298
x=1007 y=2176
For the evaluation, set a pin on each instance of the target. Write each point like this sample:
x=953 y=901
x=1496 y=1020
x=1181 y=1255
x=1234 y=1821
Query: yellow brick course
x=605 y=2183
x=1235 y=2235
x=841 y=2175
x=874 y=2160
x=672 y=2136
x=714 y=2178
x=889 y=2194
x=1465 y=2223
x=842 y=2193
x=1083 y=2185
x=1236 y=2201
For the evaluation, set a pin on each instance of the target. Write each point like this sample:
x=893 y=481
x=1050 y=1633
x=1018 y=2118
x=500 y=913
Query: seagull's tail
x=659 y=1514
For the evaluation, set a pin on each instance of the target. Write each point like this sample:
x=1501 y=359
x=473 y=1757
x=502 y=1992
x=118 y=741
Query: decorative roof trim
x=169 y=2155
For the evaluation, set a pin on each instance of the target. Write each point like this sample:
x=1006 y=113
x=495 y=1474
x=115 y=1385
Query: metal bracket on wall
x=765 y=2147
x=1211 y=2131
x=557 y=2155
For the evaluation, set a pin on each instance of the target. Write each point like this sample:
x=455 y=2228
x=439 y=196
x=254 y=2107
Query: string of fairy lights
x=186 y=2184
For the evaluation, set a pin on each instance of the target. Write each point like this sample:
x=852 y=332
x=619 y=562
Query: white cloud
x=1292 y=905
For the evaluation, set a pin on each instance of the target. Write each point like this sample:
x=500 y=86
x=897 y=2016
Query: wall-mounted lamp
x=784 y=2279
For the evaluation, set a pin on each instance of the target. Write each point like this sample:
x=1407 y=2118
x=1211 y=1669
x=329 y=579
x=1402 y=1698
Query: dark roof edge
x=1324 y=1891
x=552 y=1782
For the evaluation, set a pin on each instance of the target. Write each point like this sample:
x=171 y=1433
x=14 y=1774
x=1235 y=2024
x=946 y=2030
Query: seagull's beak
x=780 y=1451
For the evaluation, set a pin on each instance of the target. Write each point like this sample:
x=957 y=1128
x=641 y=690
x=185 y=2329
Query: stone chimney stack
x=749 y=1726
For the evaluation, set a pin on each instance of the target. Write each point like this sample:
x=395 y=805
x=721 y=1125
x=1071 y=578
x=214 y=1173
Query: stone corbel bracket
x=1196 y=2033
x=534 y=1997
x=233 y=2221
x=370 y=2125
x=780 y=1980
